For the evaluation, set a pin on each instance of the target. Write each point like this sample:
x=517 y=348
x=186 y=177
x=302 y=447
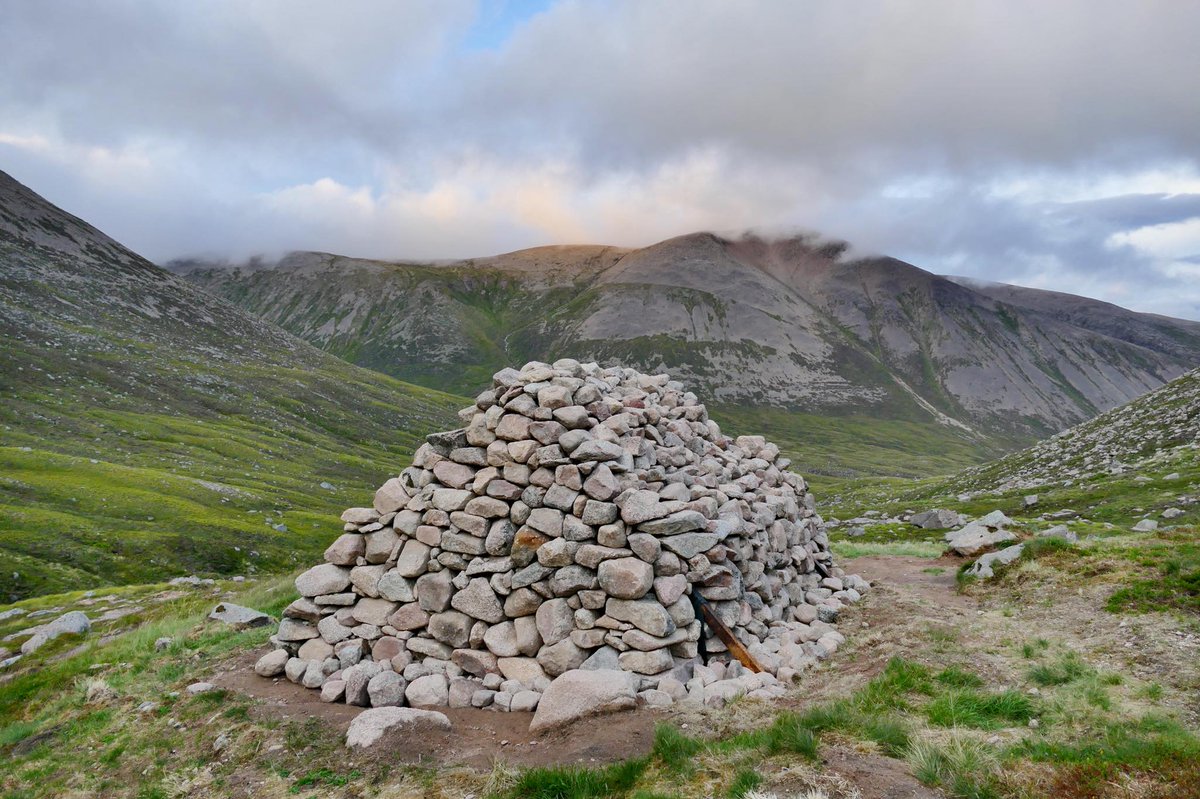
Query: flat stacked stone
x=565 y=527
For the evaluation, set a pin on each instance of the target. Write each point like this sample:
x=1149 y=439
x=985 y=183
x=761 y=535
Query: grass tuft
x=969 y=708
x=964 y=769
x=745 y=781
x=673 y=748
x=1065 y=670
x=576 y=782
x=957 y=678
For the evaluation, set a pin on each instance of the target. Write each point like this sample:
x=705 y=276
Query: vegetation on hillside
x=149 y=430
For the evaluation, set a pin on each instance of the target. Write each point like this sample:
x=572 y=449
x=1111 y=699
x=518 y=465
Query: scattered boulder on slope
x=983 y=568
x=937 y=519
x=238 y=616
x=75 y=622
x=1060 y=531
x=980 y=535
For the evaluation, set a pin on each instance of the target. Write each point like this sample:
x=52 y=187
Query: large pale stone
x=413 y=560
x=360 y=516
x=474 y=661
x=558 y=658
x=293 y=630
x=488 y=507
x=555 y=620
x=432 y=690
x=272 y=663
x=386 y=689
x=513 y=427
x=451 y=499
x=391 y=496
x=380 y=545
x=669 y=589
x=237 y=616
x=451 y=628
x=601 y=484
x=374 y=611
x=689 y=545
x=434 y=591
x=365 y=579
x=592 y=555
x=554 y=397
x=642 y=506
x=346 y=550
x=369 y=726
x=625 y=578
x=396 y=587
x=526 y=671
x=645 y=614
x=315 y=649
x=571 y=580
x=579 y=694
x=521 y=602
x=529 y=639
x=454 y=475
x=651 y=662
x=323 y=579
x=479 y=601
x=501 y=640
x=598 y=513
x=546 y=520
x=683 y=521
x=332 y=631
x=977 y=537
x=409 y=617
x=597 y=451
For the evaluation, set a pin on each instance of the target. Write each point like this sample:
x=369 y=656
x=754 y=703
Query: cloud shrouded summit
x=1047 y=144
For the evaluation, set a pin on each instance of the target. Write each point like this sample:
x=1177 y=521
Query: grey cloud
x=210 y=127
x=943 y=83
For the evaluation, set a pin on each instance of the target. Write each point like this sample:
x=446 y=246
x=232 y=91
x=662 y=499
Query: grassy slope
x=840 y=446
x=149 y=430
x=1111 y=469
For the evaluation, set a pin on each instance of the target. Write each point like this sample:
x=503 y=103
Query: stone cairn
x=565 y=528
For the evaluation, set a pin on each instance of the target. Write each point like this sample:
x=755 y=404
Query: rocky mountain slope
x=148 y=428
x=793 y=324
x=1157 y=427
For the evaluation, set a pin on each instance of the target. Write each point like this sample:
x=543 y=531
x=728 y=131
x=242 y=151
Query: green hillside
x=148 y=430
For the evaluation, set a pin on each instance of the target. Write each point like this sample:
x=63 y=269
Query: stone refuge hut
x=567 y=527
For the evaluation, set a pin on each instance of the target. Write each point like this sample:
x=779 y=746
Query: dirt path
x=478 y=737
x=907 y=590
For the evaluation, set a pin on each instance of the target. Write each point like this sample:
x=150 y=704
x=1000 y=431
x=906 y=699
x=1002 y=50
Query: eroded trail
x=914 y=612
x=906 y=589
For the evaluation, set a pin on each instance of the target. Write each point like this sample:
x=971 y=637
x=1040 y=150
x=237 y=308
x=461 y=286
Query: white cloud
x=1051 y=144
x=1171 y=240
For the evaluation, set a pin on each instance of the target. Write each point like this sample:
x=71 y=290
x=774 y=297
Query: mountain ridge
x=795 y=324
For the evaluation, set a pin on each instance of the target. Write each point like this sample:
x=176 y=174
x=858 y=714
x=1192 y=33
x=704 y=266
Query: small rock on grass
x=201 y=688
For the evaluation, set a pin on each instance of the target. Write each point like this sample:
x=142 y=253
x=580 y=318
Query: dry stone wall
x=566 y=527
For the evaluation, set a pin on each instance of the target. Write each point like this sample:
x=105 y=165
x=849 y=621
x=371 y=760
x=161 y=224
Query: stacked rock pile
x=566 y=527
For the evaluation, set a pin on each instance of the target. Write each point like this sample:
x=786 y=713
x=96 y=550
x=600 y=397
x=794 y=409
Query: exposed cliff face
x=791 y=323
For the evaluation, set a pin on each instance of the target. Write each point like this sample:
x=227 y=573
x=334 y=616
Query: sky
x=1048 y=144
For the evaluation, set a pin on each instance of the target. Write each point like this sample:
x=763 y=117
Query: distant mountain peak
x=797 y=322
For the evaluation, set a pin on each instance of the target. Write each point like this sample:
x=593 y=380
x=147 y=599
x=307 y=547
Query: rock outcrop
x=575 y=524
